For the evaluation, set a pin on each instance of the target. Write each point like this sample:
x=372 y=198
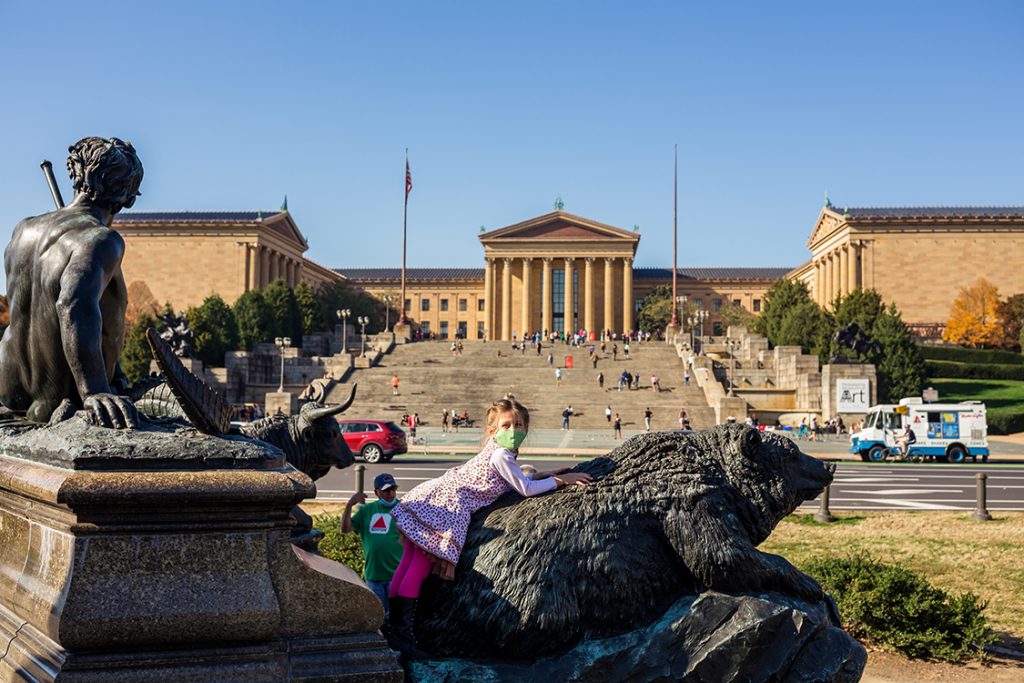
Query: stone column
x=568 y=323
x=289 y=272
x=488 y=299
x=844 y=270
x=545 y=296
x=867 y=263
x=251 y=267
x=281 y=275
x=506 y=300
x=298 y=271
x=264 y=266
x=609 y=303
x=627 y=294
x=818 y=282
x=527 y=273
x=588 y=294
x=826 y=291
x=852 y=282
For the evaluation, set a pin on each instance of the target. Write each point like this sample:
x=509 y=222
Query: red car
x=375 y=440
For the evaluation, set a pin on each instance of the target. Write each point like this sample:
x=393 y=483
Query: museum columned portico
x=558 y=272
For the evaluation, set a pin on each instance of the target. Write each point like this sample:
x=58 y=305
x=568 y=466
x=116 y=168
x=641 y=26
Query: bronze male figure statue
x=67 y=294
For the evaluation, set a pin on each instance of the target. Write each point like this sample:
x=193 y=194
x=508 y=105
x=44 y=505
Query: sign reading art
x=853 y=395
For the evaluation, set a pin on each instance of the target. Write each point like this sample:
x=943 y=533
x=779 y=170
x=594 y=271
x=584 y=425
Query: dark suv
x=375 y=440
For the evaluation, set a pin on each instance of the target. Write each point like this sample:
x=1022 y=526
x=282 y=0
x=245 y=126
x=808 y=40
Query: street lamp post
x=282 y=343
x=363 y=321
x=343 y=315
x=387 y=311
x=699 y=316
x=732 y=345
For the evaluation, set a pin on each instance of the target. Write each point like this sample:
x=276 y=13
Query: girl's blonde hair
x=509 y=404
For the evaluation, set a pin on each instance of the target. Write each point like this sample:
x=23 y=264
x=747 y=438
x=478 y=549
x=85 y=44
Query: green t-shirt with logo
x=381 y=548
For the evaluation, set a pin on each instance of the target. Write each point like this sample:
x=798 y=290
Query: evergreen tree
x=808 y=326
x=335 y=296
x=252 y=315
x=901 y=372
x=215 y=330
x=136 y=355
x=656 y=312
x=285 y=318
x=309 y=309
x=781 y=297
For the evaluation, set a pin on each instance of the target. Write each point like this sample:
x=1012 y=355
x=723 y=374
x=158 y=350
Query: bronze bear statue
x=667 y=515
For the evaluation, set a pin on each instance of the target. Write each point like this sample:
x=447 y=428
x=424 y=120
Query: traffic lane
x=340 y=485
x=857 y=486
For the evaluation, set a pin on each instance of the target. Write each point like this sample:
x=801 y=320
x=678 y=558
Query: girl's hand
x=574 y=479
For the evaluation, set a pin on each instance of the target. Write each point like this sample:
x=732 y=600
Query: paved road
x=858 y=486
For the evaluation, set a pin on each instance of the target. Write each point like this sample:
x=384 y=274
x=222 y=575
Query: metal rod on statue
x=405 y=219
x=52 y=182
x=360 y=478
x=675 y=233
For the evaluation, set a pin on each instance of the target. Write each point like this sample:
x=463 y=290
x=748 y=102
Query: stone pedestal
x=280 y=400
x=731 y=406
x=831 y=373
x=671 y=332
x=130 y=557
x=403 y=333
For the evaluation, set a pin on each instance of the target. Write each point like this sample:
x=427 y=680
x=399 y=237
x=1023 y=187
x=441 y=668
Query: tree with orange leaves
x=5 y=312
x=140 y=301
x=974 y=318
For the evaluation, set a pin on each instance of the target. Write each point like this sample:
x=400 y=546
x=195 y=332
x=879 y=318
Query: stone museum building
x=561 y=271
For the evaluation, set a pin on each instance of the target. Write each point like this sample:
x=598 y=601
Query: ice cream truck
x=944 y=431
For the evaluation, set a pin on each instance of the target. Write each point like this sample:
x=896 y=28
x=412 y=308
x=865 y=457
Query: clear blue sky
x=503 y=106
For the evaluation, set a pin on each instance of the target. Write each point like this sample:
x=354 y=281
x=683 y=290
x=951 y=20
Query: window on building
x=716 y=329
x=479 y=304
x=480 y=330
x=424 y=304
x=757 y=305
x=462 y=305
x=736 y=302
x=444 y=304
x=425 y=327
x=716 y=305
x=408 y=304
x=444 y=329
x=460 y=331
x=559 y=323
x=698 y=302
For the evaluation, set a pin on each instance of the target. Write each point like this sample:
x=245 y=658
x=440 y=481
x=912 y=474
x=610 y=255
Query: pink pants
x=412 y=571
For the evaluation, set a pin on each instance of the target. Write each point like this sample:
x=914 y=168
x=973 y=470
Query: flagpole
x=405 y=219
x=675 y=235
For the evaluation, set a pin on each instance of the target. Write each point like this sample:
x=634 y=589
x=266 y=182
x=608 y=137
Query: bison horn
x=316 y=413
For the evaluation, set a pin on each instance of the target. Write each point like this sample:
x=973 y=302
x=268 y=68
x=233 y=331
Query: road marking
x=903 y=492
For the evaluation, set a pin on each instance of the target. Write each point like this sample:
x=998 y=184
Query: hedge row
x=977 y=356
x=950 y=370
x=1005 y=421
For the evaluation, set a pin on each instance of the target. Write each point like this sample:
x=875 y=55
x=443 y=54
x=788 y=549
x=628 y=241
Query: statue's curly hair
x=107 y=171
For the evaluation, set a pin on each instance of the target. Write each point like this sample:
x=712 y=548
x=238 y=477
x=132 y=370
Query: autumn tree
x=5 y=312
x=974 y=318
x=1011 y=318
x=140 y=301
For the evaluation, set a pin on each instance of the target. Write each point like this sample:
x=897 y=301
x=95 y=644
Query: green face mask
x=510 y=438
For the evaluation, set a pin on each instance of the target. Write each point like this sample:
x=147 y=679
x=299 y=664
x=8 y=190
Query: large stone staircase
x=431 y=379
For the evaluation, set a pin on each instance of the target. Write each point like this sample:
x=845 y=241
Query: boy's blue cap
x=384 y=481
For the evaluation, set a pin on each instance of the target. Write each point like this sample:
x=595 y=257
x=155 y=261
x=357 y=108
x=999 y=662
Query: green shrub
x=891 y=605
x=979 y=356
x=1005 y=420
x=952 y=370
x=338 y=546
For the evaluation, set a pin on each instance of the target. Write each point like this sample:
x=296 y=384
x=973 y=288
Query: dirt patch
x=885 y=667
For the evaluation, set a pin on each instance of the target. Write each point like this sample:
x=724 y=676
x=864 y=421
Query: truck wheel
x=877 y=453
x=956 y=453
x=373 y=454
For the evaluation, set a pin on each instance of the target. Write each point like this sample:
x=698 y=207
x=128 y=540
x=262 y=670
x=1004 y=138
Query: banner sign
x=853 y=395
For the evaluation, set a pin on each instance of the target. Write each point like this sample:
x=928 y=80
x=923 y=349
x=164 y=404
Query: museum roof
x=918 y=212
x=393 y=274
x=194 y=216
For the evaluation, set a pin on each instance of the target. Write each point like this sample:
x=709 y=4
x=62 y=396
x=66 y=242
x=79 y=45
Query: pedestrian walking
x=617 y=426
x=593 y=360
x=608 y=413
x=615 y=351
x=444 y=420
x=558 y=377
x=551 y=359
x=600 y=381
x=455 y=421
x=682 y=418
x=655 y=384
x=647 y=419
x=686 y=378
x=394 y=384
x=625 y=350
x=414 y=420
x=566 y=414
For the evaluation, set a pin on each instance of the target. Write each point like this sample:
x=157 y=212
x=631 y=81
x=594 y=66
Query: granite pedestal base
x=171 y=570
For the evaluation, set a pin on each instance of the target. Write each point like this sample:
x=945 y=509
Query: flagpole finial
x=559 y=204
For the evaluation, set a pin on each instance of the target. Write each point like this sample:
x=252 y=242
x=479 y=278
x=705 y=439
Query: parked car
x=375 y=440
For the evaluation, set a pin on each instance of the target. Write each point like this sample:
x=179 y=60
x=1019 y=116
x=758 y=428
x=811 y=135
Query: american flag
x=408 y=179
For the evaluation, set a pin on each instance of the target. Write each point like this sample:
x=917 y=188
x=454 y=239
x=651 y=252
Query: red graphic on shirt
x=380 y=523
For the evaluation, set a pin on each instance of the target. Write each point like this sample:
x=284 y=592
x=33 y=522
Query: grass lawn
x=952 y=550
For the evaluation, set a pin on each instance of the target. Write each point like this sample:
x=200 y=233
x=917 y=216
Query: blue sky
x=503 y=106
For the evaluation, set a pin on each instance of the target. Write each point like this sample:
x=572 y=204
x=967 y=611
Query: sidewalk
x=593 y=442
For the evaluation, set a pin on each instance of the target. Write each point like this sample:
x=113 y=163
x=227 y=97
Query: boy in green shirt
x=379 y=535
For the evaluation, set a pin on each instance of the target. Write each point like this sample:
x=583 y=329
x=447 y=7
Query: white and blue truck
x=946 y=432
